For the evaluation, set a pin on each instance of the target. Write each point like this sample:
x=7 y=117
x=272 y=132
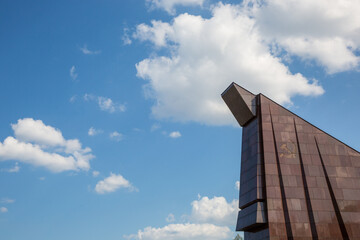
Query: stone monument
x=297 y=181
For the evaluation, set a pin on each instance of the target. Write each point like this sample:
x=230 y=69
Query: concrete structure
x=297 y=181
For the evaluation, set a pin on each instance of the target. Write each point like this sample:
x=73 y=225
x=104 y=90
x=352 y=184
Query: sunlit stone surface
x=296 y=182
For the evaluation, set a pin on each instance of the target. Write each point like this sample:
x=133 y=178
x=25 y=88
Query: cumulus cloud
x=73 y=73
x=105 y=104
x=113 y=183
x=35 y=131
x=210 y=219
x=204 y=56
x=187 y=231
x=92 y=131
x=214 y=210
x=327 y=31
x=42 y=145
x=175 y=134
x=3 y=210
x=86 y=51
x=169 y=5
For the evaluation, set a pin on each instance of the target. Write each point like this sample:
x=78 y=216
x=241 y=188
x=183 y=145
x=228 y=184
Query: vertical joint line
x=306 y=190
x=263 y=179
x=333 y=199
x=282 y=190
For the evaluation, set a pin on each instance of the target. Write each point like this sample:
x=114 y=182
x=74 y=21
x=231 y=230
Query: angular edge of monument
x=252 y=218
x=241 y=103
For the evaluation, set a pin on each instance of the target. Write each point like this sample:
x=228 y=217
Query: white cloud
x=35 y=131
x=186 y=231
x=95 y=173
x=88 y=97
x=126 y=38
x=72 y=99
x=113 y=183
x=170 y=218
x=14 y=169
x=169 y=5
x=237 y=185
x=205 y=56
x=175 y=134
x=42 y=178
x=326 y=31
x=3 y=210
x=12 y=149
x=215 y=210
x=73 y=73
x=86 y=51
x=42 y=145
x=92 y=131
x=210 y=219
x=157 y=33
x=116 y=136
x=7 y=200
x=106 y=104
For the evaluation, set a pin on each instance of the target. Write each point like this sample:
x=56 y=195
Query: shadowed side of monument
x=253 y=217
x=296 y=181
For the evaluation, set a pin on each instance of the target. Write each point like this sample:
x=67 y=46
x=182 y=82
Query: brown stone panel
x=303 y=181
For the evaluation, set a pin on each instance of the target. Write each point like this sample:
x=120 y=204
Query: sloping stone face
x=297 y=182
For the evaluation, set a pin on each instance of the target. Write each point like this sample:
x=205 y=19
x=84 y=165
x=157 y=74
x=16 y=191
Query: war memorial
x=296 y=181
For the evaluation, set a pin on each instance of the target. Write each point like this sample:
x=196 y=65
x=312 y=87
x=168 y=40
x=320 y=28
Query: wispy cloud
x=169 y=5
x=175 y=134
x=170 y=218
x=14 y=169
x=116 y=136
x=113 y=183
x=73 y=73
x=92 y=131
x=3 y=210
x=126 y=37
x=95 y=173
x=155 y=127
x=237 y=185
x=86 y=51
x=73 y=99
x=7 y=200
x=106 y=104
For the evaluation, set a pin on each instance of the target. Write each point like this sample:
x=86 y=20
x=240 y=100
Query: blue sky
x=112 y=124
